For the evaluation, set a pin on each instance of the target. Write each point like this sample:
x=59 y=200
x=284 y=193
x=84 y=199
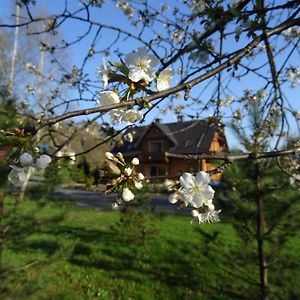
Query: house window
x=153 y=171
x=157 y=171
x=155 y=146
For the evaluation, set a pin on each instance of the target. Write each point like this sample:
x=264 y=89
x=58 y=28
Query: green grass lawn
x=55 y=251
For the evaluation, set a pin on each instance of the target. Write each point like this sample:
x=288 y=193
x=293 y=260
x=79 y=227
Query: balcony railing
x=153 y=157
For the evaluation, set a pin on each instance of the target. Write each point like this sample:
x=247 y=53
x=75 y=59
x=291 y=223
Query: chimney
x=179 y=118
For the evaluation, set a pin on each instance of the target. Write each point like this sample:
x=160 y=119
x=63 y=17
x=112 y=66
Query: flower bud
x=109 y=156
x=25 y=159
x=43 y=161
x=138 y=185
x=127 y=171
x=120 y=156
x=141 y=176
x=112 y=168
x=211 y=207
x=195 y=213
x=135 y=161
x=16 y=175
x=115 y=206
x=173 y=198
x=127 y=195
x=168 y=184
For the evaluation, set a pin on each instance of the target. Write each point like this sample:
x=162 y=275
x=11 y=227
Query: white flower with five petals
x=141 y=65
x=195 y=190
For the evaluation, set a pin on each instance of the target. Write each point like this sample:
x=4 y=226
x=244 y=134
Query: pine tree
x=264 y=208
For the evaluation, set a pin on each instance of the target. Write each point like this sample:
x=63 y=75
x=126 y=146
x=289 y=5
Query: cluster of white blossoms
x=17 y=174
x=195 y=191
x=127 y=9
x=293 y=75
x=125 y=179
x=137 y=71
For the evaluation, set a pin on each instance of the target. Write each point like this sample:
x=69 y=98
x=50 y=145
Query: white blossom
x=293 y=75
x=198 y=6
x=127 y=171
x=104 y=73
x=127 y=195
x=196 y=190
x=30 y=67
x=122 y=4
x=115 y=206
x=173 y=198
x=294 y=180
x=209 y=216
x=138 y=185
x=176 y=36
x=30 y=89
x=109 y=156
x=43 y=161
x=128 y=137
x=16 y=175
x=135 y=161
x=141 y=176
x=164 y=79
x=130 y=116
x=26 y=159
x=116 y=115
x=238 y=30
x=108 y=98
x=195 y=213
x=120 y=156
x=168 y=184
x=141 y=65
x=129 y=11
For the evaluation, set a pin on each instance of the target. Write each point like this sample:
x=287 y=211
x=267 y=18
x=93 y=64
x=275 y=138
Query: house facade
x=154 y=145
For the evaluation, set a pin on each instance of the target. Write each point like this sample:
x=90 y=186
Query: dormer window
x=156 y=146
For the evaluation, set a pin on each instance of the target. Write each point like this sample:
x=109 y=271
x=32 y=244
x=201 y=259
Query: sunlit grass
x=56 y=251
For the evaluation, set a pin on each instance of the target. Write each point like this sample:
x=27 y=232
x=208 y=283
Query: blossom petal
x=197 y=200
x=203 y=217
x=207 y=192
x=187 y=180
x=202 y=178
x=186 y=195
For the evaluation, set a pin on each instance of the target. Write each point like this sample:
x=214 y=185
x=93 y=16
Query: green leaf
x=120 y=66
x=258 y=4
x=235 y=12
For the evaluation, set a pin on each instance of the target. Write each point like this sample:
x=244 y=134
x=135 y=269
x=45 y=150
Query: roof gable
x=191 y=137
x=162 y=128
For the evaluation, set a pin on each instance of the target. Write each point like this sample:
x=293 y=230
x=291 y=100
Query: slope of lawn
x=55 y=251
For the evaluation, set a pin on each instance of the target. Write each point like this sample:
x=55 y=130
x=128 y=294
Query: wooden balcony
x=153 y=157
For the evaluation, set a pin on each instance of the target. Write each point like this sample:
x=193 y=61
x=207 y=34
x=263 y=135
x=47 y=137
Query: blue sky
x=110 y=15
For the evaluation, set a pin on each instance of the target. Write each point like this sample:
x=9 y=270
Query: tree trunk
x=1 y=229
x=40 y=99
x=263 y=274
x=15 y=52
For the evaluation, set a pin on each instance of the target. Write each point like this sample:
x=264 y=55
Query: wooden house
x=154 y=145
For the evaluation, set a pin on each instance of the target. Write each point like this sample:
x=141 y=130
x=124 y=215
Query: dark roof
x=191 y=137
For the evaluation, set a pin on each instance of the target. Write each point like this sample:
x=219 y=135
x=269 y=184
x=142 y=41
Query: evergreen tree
x=265 y=211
